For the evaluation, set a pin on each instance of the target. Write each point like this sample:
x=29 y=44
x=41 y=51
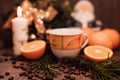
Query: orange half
x=34 y=49
x=98 y=53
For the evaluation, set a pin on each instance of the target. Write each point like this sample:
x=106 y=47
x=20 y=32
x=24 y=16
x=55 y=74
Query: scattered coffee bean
x=25 y=73
x=13 y=62
x=76 y=72
x=61 y=68
x=22 y=63
x=1 y=76
x=66 y=70
x=34 y=78
x=30 y=76
x=73 y=68
x=49 y=77
x=29 y=71
x=5 y=59
x=72 y=77
x=12 y=58
x=70 y=72
x=87 y=74
x=27 y=64
x=44 y=78
x=64 y=79
x=40 y=76
x=36 y=74
x=7 y=73
x=67 y=76
x=11 y=78
x=83 y=72
x=21 y=74
x=24 y=68
x=1 y=60
x=16 y=66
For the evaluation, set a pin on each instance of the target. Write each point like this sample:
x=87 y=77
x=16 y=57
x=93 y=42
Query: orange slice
x=98 y=53
x=34 y=49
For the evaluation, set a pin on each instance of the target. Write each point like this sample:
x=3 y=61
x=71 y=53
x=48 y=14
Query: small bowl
x=98 y=53
x=34 y=49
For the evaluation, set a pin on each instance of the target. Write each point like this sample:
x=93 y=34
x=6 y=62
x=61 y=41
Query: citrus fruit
x=98 y=53
x=113 y=35
x=88 y=31
x=34 y=49
x=100 y=38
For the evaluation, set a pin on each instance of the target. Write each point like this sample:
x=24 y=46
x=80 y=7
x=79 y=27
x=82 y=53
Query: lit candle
x=20 y=30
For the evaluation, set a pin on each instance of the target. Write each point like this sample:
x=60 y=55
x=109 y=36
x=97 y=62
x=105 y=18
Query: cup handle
x=86 y=41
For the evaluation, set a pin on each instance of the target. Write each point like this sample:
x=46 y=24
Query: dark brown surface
x=6 y=66
x=105 y=10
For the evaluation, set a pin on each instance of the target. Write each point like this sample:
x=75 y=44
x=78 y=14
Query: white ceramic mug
x=67 y=42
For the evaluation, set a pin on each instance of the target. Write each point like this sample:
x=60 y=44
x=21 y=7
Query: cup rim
x=72 y=31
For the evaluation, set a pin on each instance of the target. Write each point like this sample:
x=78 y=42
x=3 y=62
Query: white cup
x=67 y=42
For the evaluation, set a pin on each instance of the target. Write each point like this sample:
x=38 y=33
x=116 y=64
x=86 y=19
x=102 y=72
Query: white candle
x=20 y=30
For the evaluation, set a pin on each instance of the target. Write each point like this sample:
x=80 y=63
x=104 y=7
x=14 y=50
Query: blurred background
x=106 y=11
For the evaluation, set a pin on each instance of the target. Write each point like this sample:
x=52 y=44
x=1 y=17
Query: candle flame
x=19 y=11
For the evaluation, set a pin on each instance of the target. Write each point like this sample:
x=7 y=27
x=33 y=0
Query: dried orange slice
x=98 y=53
x=34 y=49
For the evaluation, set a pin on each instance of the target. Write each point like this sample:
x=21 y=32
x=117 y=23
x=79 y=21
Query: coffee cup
x=67 y=42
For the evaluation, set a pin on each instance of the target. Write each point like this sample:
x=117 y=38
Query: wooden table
x=6 y=66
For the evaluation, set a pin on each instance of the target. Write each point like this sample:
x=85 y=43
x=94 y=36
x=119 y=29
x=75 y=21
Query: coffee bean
x=24 y=68
x=66 y=70
x=48 y=77
x=61 y=68
x=25 y=73
x=13 y=62
x=73 y=68
x=67 y=76
x=87 y=74
x=70 y=72
x=40 y=76
x=27 y=64
x=83 y=72
x=21 y=74
x=29 y=71
x=12 y=58
x=1 y=60
x=7 y=73
x=22 y=63
x=6 y=59
x=76 y=72
x=30 y=76
x=1 y=76
x=38 y=71
x=11 y=78
x=16 y=66
x=72 y=77
x=64 y=79
x=44 y=77
x=34 y=78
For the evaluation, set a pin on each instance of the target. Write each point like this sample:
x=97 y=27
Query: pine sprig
x=99 y=71
x=45 y=66
x=107 y=70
